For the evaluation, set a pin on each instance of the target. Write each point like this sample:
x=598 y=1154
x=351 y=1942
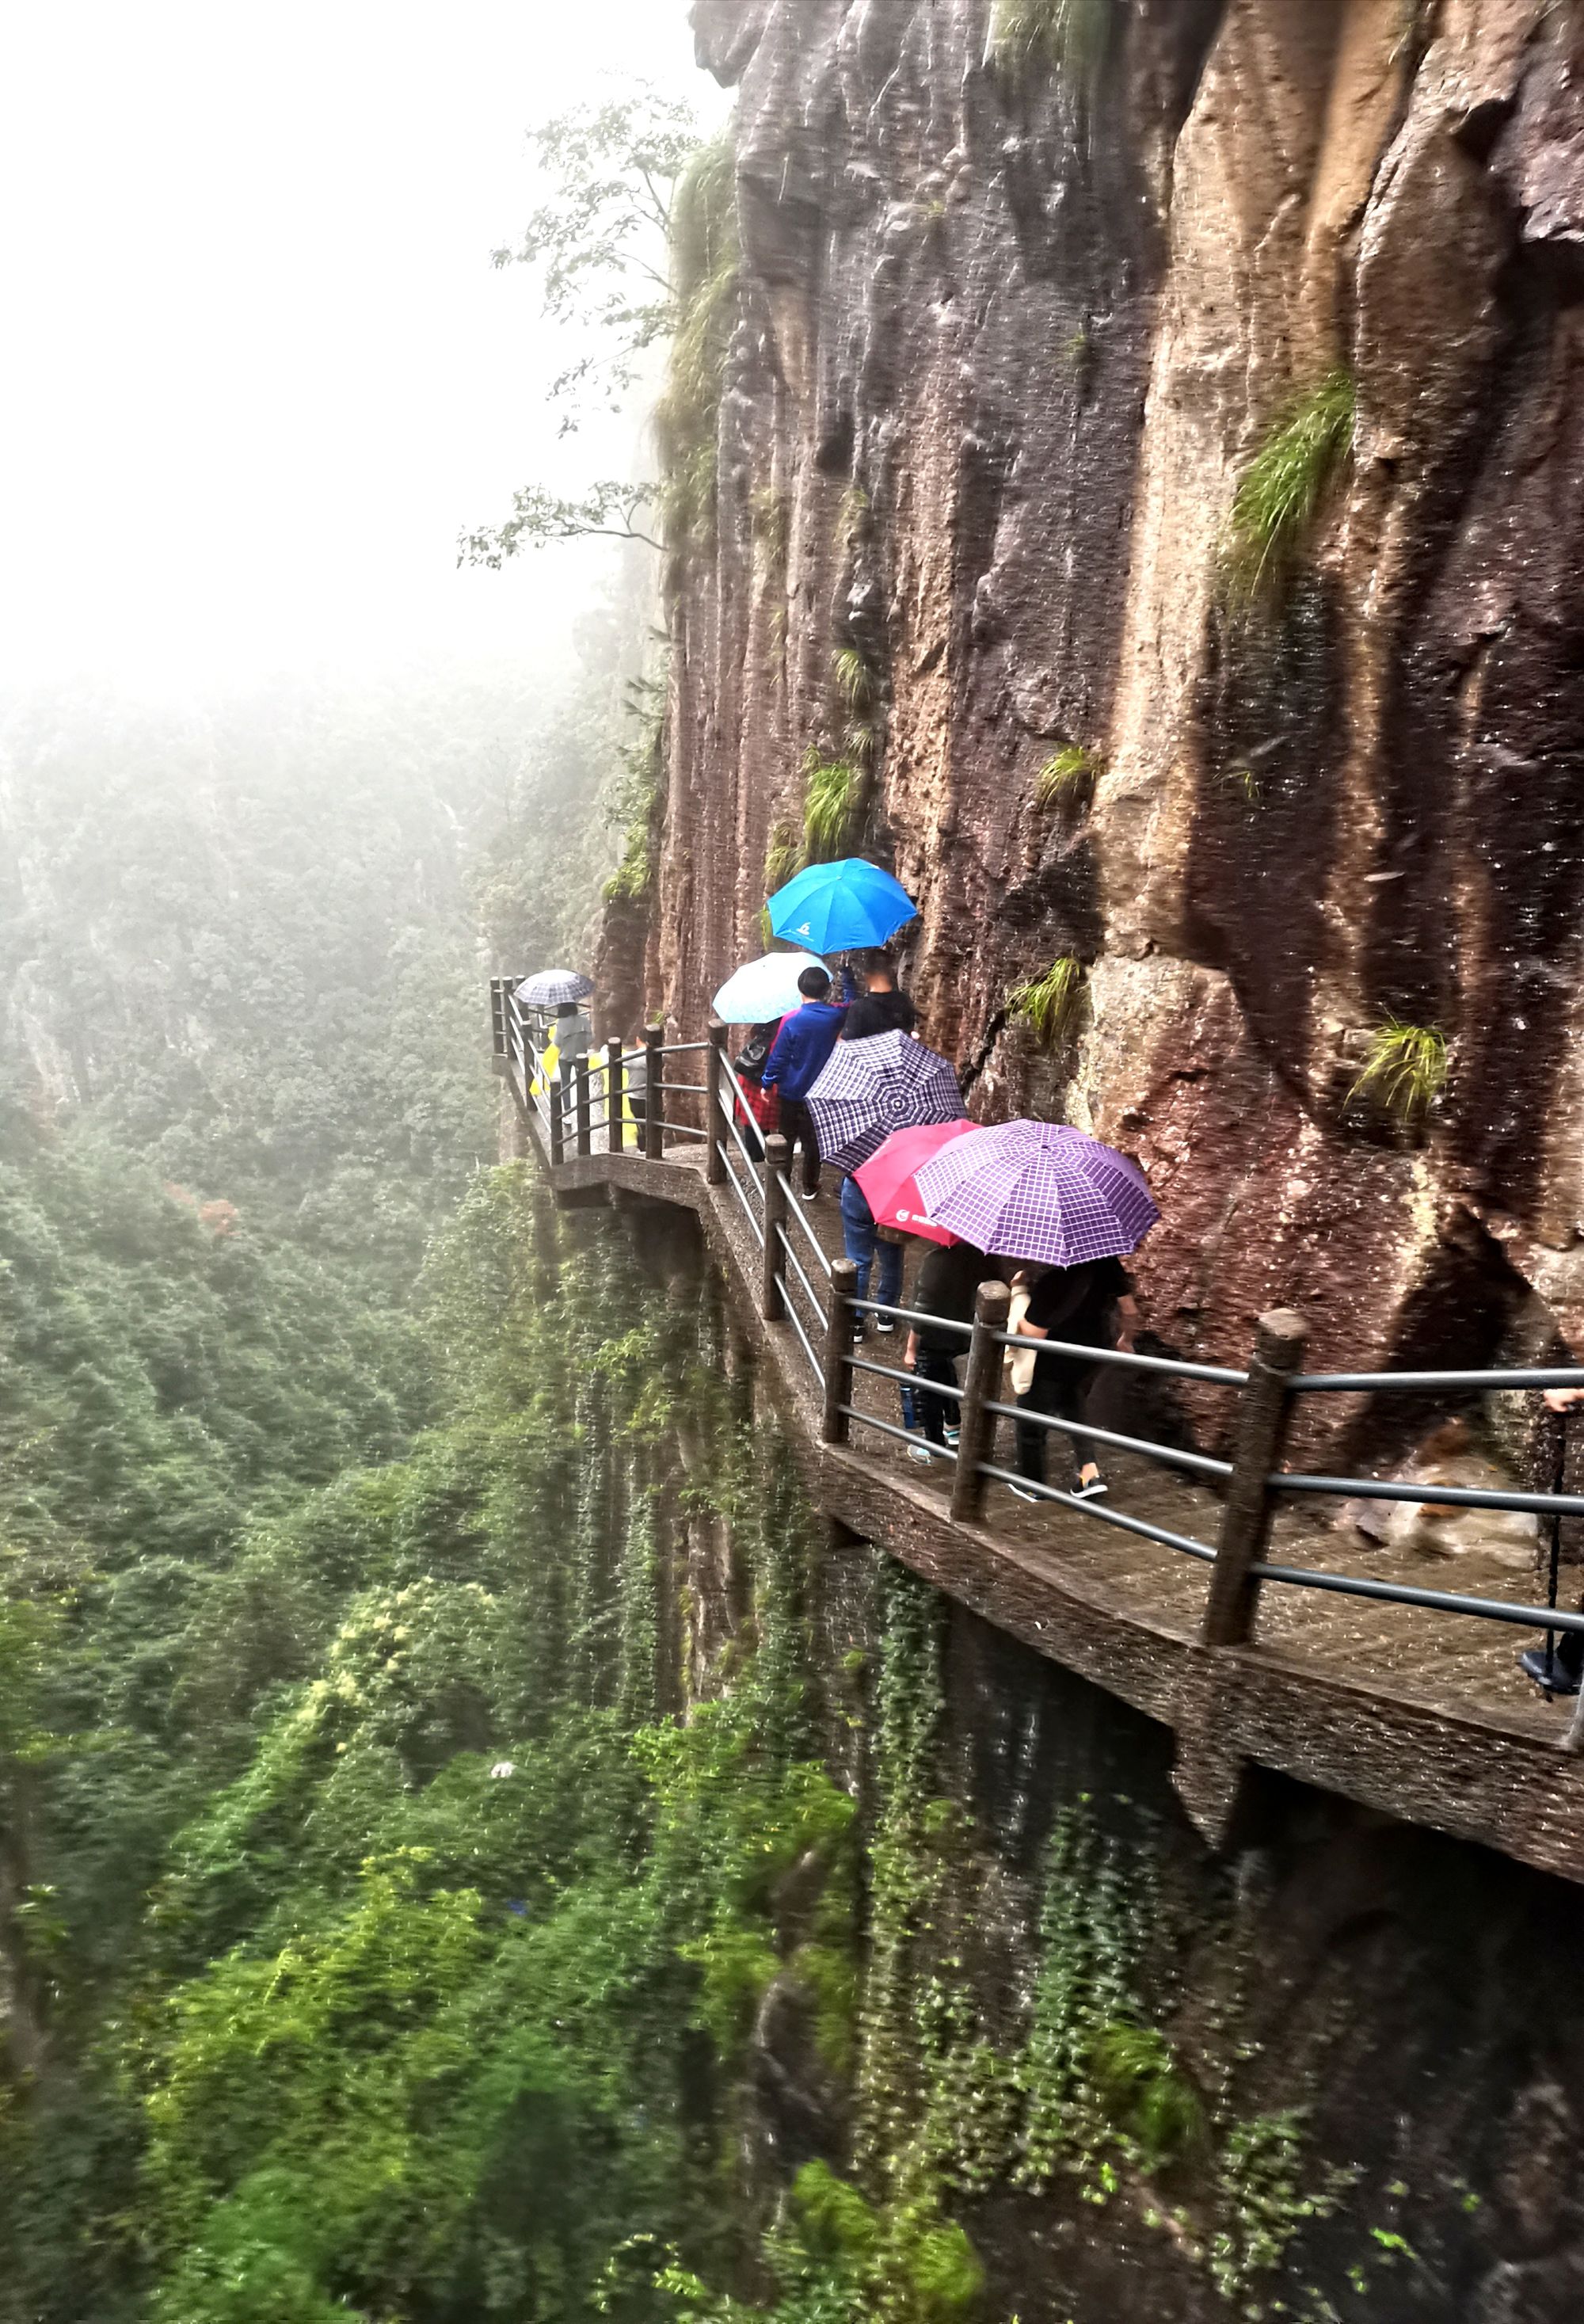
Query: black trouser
x=798 y=1130
x=1056 y=1387
x=935 y=1412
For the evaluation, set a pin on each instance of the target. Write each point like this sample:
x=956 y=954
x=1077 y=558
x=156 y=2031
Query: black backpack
x=755 y=1052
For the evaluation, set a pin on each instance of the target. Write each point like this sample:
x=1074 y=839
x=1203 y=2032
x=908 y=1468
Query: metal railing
x=818 y=1302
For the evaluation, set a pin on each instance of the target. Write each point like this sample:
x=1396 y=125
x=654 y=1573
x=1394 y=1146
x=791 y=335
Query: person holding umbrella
x=1089 y=1306
x=797 y=1059
x=947 y=1287
x=882 y=1007
x=1041 y=1192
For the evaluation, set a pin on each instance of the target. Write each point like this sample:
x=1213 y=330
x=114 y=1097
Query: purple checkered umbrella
x=871 y=1088
x=1038 y=1190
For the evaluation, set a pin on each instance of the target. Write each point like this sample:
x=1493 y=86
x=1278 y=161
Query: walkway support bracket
x=1264 y=1413
x=836 y=1428
x=616 y=1098
x=976 y=1427
x=777 y=1162
x=654 y=1093
x=714 y=1169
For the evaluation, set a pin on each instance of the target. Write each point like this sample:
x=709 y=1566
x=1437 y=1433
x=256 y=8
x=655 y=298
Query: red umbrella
x=887 y=1177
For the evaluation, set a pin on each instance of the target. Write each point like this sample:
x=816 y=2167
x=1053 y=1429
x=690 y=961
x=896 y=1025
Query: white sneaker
x=886 y=1324
x=1091 y=1491
x=807 y=1196
x=1023 y=1494
x=923 y=1453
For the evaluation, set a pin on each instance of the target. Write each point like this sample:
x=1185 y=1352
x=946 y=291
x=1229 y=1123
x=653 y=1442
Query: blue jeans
x=863 y=1246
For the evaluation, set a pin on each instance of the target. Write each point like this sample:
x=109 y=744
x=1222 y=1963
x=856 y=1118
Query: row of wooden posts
x=1265 y=1400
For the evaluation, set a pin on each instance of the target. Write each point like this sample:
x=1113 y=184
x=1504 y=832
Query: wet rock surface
x=1007 y=342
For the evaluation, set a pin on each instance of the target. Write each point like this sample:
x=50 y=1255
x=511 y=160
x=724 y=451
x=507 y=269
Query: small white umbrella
x=766 y=988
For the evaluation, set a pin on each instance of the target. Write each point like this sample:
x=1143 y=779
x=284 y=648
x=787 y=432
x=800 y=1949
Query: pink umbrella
x=887 y=1183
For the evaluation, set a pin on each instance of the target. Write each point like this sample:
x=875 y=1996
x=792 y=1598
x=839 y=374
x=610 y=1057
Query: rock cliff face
x=1011 y=328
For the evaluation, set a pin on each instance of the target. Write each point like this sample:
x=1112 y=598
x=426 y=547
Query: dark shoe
x=860 y=1333
x=886 y=1324
x=1547 y=1671
x=1089 y=1492
x=810 y=1194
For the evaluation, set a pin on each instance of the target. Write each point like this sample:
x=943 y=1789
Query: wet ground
x=1442 y=1660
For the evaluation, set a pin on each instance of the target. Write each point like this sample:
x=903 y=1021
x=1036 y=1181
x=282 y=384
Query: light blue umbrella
x=766 y=988
x=844 y=906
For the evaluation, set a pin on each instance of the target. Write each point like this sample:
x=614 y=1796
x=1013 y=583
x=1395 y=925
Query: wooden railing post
x=714 y=1167
x=654 y=1093
x=836 y=1428
x=557 y=1120
x=616 y=1098
x=976 y=1427
x=1250 y=1505
x=585 y=1112
x=777 y=1162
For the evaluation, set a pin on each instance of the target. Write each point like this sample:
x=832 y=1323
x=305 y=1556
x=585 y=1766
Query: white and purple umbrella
x=871 y=1088
x=554 y=988
x=1040 y=1191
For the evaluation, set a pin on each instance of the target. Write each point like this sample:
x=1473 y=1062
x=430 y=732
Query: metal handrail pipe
x=1440 y=1601
x=1200 y=1463
x=813 y=1298
x=1218 y=1373
x=1341 y=1383
x=735 y=1128
x=793 y=1212
x=685 y=1089
x=820 y=1317
x=683 y=1050
x=754 y=1227
x=889 y=1428
x=1457 y=1496
x=730 y=1071
x=679 y=1128
x=1125 y=1524
x=793 y=1318
x=909 y=1379
x=913 y=1315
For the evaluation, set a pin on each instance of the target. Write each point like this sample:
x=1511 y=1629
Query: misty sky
x=259 y=370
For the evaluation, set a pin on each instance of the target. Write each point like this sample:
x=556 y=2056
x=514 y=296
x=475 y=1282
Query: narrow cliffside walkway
x=1419 y=1714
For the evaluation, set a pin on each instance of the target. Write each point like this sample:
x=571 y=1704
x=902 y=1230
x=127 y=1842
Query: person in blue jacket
x=801 y=1051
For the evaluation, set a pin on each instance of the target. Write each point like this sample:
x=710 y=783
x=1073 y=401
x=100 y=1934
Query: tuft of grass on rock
x=855 y=681
x=783 y=858
x=1043 y=1003
x=1286 y=483
x=832 y=801
x=1068 y=776
x=1405 y=1071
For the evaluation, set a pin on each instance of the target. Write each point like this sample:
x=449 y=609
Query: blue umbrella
x=840 y=906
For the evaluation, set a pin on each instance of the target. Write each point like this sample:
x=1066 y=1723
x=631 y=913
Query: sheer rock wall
x=1004 y=346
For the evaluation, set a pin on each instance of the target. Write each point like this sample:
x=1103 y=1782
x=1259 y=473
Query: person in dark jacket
x=882 y=1009
x=1091 y=1306
x=947 y=1287
x=801 y=1052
